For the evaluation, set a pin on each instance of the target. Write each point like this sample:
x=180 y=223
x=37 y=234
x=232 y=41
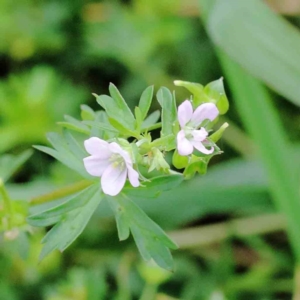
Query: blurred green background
x=230 y=224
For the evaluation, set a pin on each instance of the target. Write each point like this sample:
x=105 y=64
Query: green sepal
x=196 y=164
x=196 y=89
x=216 y=93
x=213 y=92
x=219 y=133
x=179 y=161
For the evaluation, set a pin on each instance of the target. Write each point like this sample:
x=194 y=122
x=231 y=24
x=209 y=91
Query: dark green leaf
x=150 y=239
x=70 y=226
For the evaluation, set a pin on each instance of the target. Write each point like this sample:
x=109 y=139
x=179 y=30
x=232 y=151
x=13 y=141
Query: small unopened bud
x=157 y=161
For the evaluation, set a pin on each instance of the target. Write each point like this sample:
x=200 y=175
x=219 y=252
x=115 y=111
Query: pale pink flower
x=110 y=162
x=190 y=136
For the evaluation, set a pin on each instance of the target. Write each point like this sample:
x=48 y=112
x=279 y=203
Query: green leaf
x=250 y=33
x=101 y=126
x=151 y=120
x=114 y=110
x=9 y=164
x=150 y=239
x=145 y=101
x=87 y=113
x=122 y=129
x=70 y=226
x=155 y=186
x=75 y=125
x=166 y=143
x=53 y=215
x=169 y=111
x=138 y=118
x=121 y=105
x=67 y=151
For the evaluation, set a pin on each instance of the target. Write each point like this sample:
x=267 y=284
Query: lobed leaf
x=70 y=226
x=150 y=239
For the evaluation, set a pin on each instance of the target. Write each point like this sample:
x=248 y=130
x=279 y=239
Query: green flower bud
x=157 y=161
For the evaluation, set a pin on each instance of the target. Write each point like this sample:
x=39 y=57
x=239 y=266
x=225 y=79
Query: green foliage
x=70 y=217
x=222 y=253
x=151 y=241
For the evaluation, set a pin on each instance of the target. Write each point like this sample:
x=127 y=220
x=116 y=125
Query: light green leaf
x=145 y=101
x=151 y=120
x=87 y=113
x=122 y=106
x=138 y=118
x=122 y=129
x=169 y=111
x=76 y=125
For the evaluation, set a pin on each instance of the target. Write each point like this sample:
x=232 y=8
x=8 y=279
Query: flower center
x=117 y=161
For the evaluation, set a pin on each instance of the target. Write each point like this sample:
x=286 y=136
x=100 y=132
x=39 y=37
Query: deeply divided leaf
x=70 y=225
x=151 y=240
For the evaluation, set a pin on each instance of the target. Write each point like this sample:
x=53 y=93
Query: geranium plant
x=121 y=162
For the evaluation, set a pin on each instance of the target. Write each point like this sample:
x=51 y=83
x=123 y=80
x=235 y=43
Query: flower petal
x=203 y=112
x=95 y=166
x=200 y=147
x=113 y=180
x=184 y=146
x=97 y=147
x=116 y=148
x=185 y=112
x=133 y=176
x=200 y=135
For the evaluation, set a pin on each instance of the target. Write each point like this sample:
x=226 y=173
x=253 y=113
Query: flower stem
x=62 y=192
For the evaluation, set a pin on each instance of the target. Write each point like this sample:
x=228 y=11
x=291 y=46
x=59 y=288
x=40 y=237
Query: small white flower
x=110 y=162
x=190 y=137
